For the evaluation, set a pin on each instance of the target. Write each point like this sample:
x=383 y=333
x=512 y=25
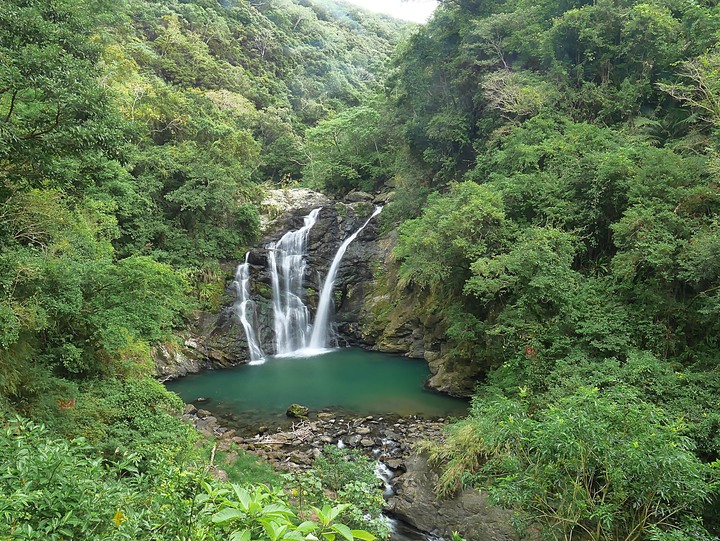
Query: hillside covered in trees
x=555 y=175
x=135 y=141
x=561 y=165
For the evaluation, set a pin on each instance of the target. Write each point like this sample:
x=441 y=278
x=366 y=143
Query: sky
x=410 y=10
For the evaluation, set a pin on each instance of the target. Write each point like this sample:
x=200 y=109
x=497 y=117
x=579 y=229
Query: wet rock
x=298 y=411
x=190 y=409
x=323 y=415
x=362 y=430
x=367 y=442
x=206 y=424
x=203 y=413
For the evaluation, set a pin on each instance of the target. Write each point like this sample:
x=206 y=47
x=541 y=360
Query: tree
x=349 y=151
x=455 y=229
x=56 y=126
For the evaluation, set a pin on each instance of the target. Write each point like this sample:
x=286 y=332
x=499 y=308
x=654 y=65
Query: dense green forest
x=136 y=139
x=555 y=174
x=569 y=237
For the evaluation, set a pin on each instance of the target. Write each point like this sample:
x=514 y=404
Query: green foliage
x=43 y=495
x=437 y=248
x=132 y=416
x=261 y=513
x=56 y=127
x=347 y=476
x=347 y=152
x=594 y=465
x=243 y=467
x=64 y=489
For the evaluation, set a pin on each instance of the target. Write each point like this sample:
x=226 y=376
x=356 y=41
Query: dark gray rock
x=468 y=513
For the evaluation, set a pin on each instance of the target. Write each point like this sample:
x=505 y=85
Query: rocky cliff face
x=395 y=319
x=372 y=311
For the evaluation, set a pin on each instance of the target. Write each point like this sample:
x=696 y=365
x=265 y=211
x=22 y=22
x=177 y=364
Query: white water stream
x=245 y=304
x=322 y=329
x=287 y=266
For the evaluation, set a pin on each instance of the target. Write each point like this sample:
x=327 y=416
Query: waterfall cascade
x=294 y=334
x=322 y=328
x=287 y=267
x=245 y=304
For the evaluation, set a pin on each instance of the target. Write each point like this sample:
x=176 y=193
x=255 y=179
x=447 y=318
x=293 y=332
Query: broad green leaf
x=277 y=509
x=243 y=496
x=240 y=535
x=343 y=530
x=363 y=535
x=307 y=527
x=227 y=515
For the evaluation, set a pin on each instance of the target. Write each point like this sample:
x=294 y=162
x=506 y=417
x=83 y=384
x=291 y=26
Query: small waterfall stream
x=322 y=327
x=294 y=334
x=399 y=531
x=245 y=304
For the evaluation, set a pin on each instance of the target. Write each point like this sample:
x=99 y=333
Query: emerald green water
x=350 y=381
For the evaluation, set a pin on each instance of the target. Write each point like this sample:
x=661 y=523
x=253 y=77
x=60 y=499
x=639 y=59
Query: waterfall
x=319 y=337
x=241 y=307
x=294 y=334
x=287 y=267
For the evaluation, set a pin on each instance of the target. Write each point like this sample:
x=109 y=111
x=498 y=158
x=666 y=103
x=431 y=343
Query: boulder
x=190 y=409
x=298 y=411
x=358 y=197
x=469 y=512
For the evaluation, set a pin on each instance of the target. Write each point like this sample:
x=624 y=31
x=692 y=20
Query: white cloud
x=417 y=11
